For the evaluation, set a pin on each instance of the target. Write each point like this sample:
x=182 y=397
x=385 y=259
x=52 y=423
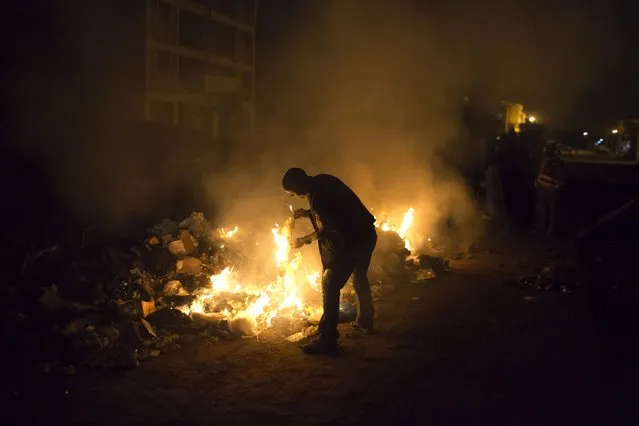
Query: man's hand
x=302 y=241
x=300 y=213
x=299 y=243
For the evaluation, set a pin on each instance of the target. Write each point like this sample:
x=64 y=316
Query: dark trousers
x=546 y=210
x=341 y=257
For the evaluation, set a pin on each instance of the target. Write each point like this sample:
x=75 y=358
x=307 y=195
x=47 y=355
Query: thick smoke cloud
x=366 y=89
x=371 y=90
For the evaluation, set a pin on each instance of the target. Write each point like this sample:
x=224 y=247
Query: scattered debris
x=301 y=335
x=148 y=327
x=424 y=274
x=114 y=304
x=437 y=264
x=549 y=279
x=166 y=227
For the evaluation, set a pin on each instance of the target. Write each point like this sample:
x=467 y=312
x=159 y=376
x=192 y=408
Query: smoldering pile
x=115 y=305
x=393 y=264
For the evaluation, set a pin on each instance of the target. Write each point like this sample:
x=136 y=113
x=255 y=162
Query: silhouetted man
x=549 y=181
x=345 y=232
x=493 y=184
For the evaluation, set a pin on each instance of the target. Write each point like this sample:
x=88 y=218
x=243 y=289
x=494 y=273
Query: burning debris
x=191 y=281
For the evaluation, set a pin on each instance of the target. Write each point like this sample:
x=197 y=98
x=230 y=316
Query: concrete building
x=129 y=104
x=200 y=64
x=185 y=63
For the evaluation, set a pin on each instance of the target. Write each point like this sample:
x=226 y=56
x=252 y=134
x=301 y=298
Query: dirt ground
x=462 y=349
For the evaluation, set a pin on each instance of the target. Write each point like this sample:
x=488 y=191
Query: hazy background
x=371 y=91
x=368 y=90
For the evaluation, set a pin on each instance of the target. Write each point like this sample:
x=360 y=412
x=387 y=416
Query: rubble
x=170 y=319
x=437 y=264
x=301 y=335
x=549 y=278
x=114 y=306
x=389 y=259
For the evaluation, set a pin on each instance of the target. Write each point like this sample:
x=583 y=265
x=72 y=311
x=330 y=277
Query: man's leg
x=333 y=280
x=552 y=211
x=365 y=309
x=540 y=212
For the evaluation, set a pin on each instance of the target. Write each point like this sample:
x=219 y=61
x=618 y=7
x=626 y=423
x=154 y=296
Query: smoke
x=368 y=90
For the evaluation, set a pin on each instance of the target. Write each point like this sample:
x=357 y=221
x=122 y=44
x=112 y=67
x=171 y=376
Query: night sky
x=604 y=41
x=603 y=34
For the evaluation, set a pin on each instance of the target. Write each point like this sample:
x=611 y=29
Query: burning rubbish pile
x=191 y=281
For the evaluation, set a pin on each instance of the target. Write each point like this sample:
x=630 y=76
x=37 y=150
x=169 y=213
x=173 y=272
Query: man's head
x=296 y=182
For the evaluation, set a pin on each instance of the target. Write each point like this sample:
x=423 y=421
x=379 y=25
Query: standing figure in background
x=549 y=182
x=493 y=186
x=346 y=236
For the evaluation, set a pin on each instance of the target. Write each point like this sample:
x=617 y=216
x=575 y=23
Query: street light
x=615 y=131
x=532 y=118
x=585 y=133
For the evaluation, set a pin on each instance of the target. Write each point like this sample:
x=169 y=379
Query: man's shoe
x=322 y=347
x=366 y=330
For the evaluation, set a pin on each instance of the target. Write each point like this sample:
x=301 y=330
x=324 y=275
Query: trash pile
x=550 y=278
x=116 y=306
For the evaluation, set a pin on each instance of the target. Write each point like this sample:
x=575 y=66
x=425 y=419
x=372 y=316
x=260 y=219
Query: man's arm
x=305 y=240
x=324 y=204
x=301 y=213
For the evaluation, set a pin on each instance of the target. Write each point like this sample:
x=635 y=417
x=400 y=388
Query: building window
x=220 y=6
x=245 y=11
x=164 y=62
x=191 y=117
x=193 y=72
x=162 y=70
x=161 y=111
x=245 y=50
x=164 y=13
x=215 y=124
x=210 y=123
x=247 y=82
x=205 y=34
x=248 y=41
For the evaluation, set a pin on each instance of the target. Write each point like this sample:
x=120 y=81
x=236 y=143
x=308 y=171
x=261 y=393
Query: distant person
x=549 y=182
x=346 y=236
x=495 y=205
x=510 y=168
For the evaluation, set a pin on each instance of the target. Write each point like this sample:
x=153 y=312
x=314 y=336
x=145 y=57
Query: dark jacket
x=551 y=173
x=336 y=208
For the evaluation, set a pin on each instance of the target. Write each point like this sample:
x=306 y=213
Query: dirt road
x=463 y=349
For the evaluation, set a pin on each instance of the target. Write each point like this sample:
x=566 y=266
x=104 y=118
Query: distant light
x=585 y=133
x=532 y=118
x=615 y=131
x=599 y=142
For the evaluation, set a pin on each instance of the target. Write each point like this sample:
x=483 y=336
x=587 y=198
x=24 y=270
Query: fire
x=282 y=237
x=313 y=280
x=228 y=233
x=404 y=229
x=262 y=302
x=221 y=282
